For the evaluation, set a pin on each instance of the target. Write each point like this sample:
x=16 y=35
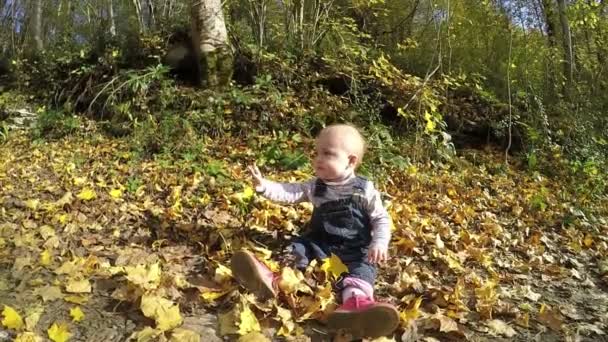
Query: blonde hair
x=353 y=140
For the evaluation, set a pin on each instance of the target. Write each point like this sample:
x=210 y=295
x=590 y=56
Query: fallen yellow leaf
x=333 y=266
x=76 y=299
x=46 y=232
x=244 y=196
x=147 y=278
x=59 y=332
x=588 y=240
x=79 y=180
x=49 y=293
x=292 y=281
x=184 y=335
x=222 y=274
x=248 y=322
x=116 y=193
x=87 y=194
x=163 y=311
x=45 y=258
x=498 y=327
x=411 y=313
x=12 y=319
x=253 y=337
x=32 y=203
x=78 y=286
x=288 y=326
x=33 y=315
x=147 y=334
x=77 y=314
x=28 y=337
x=213 y=295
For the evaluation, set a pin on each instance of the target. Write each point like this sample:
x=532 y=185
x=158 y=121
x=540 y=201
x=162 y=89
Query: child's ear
x=353 y=160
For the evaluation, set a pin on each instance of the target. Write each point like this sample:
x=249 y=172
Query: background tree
x=210 y=40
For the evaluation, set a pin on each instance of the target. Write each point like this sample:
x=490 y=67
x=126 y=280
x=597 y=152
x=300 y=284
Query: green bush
x=55 y=124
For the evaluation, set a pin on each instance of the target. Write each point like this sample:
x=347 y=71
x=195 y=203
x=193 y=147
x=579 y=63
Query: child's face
x=332 y=161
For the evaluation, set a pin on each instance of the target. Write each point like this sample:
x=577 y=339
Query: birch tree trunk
x=37 y=29
x=210 y=41
x=111 y=17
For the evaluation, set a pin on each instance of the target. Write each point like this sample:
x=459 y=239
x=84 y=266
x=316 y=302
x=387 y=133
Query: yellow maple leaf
x=333 y=266
x=248 y=322
x=291 y=281
x=87 y=194
x=77 y=314
x=163 y=311
x=288 y=326
x=116 y=193
x=63 y=218
x=222 y=274
x=147 y=278
x=147 y=334
x=12 y=319
x=76 y=299
x=49 y=293
x=321 y=302
x=78 y=286
x=184 y=335
x=245 y=196
x=32 y=318
x=253 y=337
x=28 y=337
x=411 y=312
x=588 y=240
x=32 y=204
x=59 y=332
x=46 y=232
x=45 y=258
x=79 y=180
x=213 y=295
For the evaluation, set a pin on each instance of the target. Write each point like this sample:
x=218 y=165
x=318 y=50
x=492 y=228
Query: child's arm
x=285 y=192
x=281 y=192
x=381 y=225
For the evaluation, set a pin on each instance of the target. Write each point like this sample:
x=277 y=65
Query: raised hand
x=257 y=176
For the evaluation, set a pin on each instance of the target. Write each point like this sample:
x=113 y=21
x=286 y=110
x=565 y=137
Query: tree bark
x=37 y=27
x=210 y=40
x=151 y=15
x=550 y=25
x=140 y=19
x=568 y=50
x=111 y=18
x=549 y=21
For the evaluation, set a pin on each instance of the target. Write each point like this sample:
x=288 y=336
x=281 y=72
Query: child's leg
x=301 y=254
x=352 y=286
x=304 y=250
x=359 y=314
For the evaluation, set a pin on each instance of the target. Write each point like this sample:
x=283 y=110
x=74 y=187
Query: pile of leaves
x=100 y=245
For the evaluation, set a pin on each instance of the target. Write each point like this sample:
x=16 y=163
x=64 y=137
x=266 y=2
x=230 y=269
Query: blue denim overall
x=341 y=227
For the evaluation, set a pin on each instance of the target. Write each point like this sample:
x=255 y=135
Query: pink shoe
x=362 y=317
x=254 y=275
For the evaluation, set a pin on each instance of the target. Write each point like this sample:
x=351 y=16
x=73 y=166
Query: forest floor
x=97 y=244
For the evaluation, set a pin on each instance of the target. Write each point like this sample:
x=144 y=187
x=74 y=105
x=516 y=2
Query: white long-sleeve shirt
x=304 y=191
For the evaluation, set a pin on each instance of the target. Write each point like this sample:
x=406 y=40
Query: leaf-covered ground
x=99 y=245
